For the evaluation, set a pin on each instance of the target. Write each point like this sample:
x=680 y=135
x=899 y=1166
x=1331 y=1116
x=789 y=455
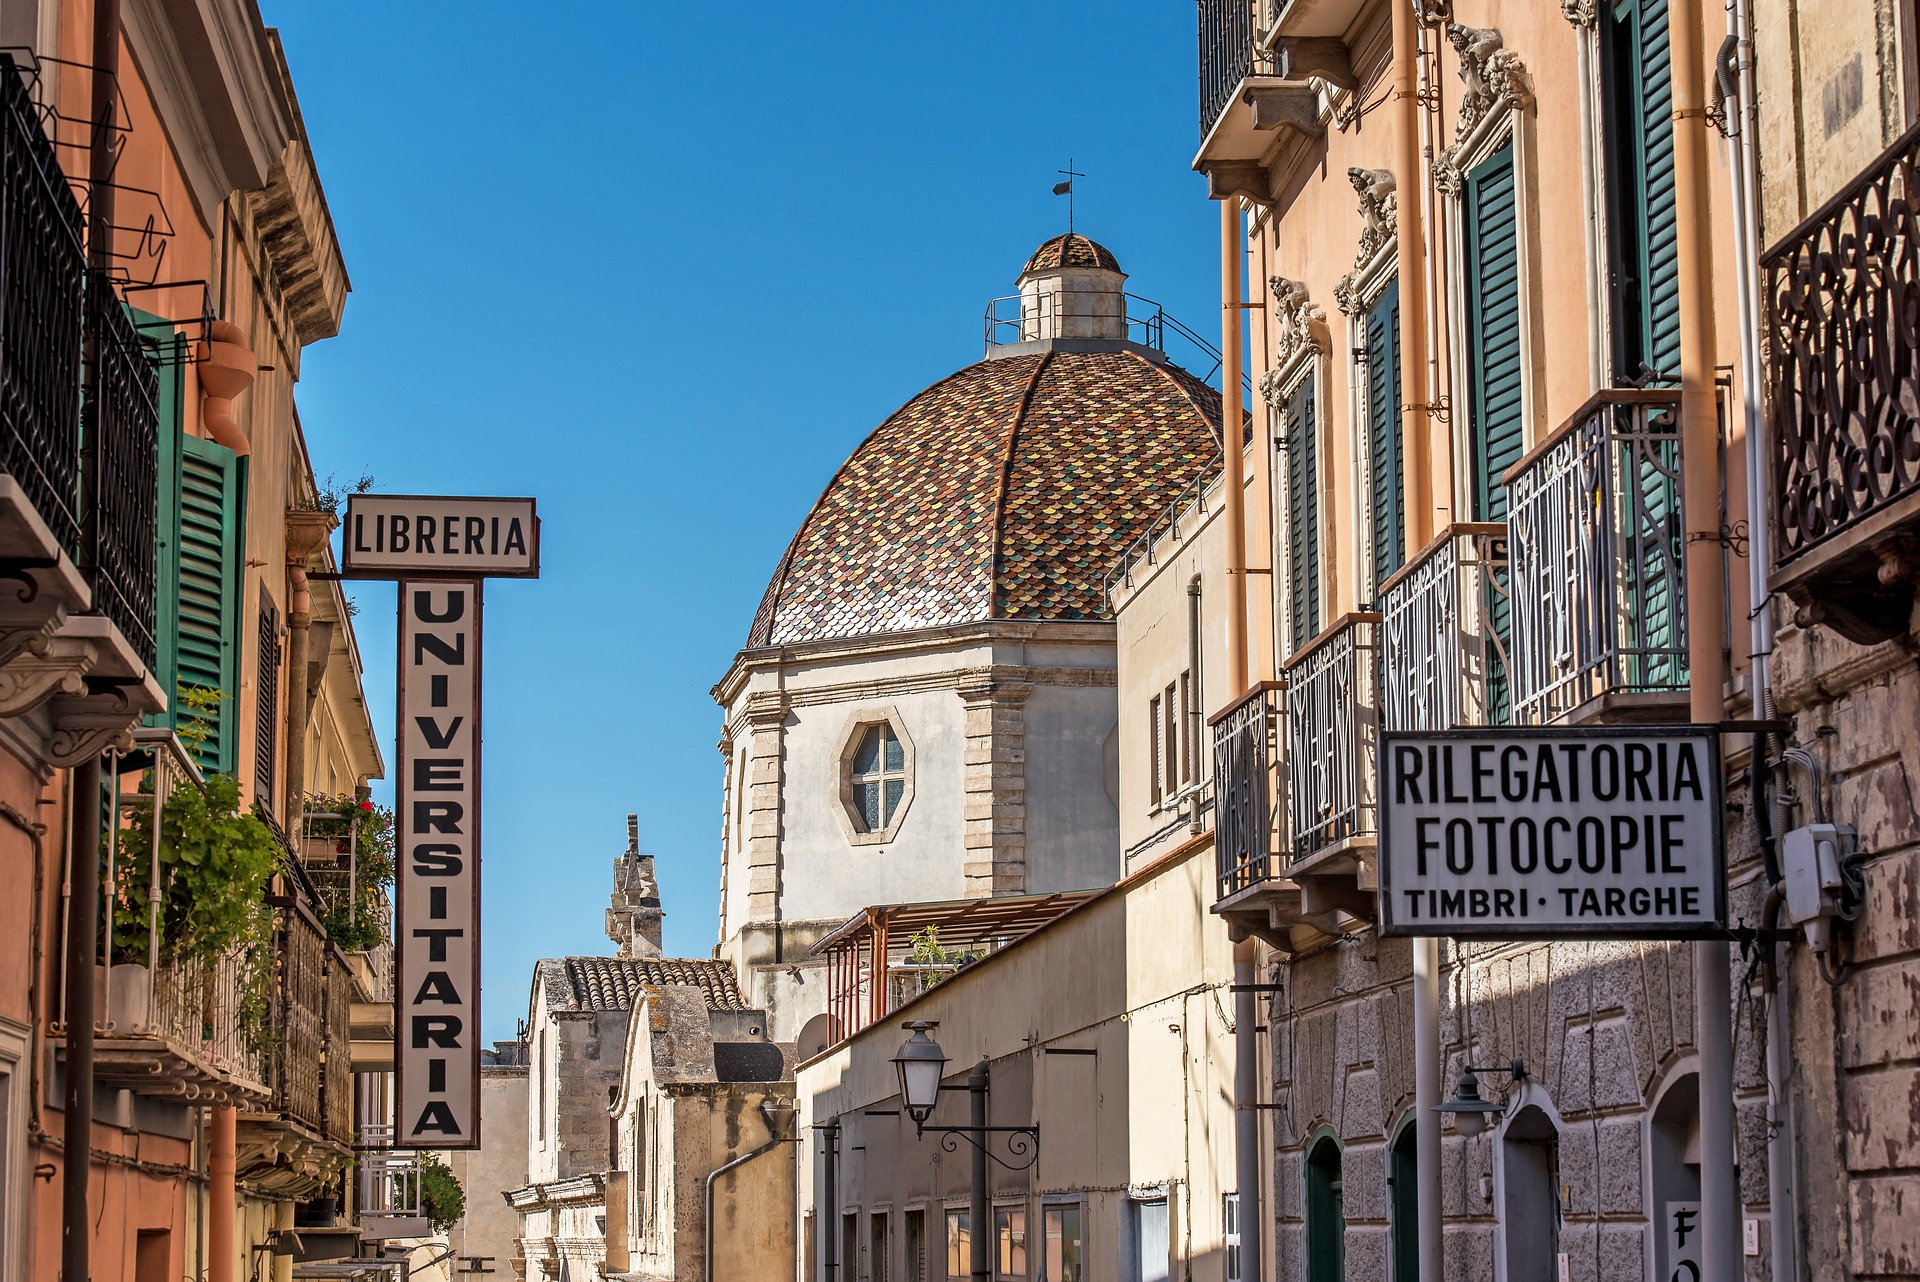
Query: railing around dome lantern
x=1007 y=321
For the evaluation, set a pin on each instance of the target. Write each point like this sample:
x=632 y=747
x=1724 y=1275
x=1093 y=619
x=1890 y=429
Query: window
x=850 y=1270
x=1326 y=1215
x=1492 y=253
x=959 y=1245
x=877 y=1247
x=1010 y=1242
x=1060 y=1261
x=1187 y=735
x=1150 y=1241
x=1159 y=760
x=1230 y=1234
x=1386 y=507
x=1300 y=441
x=1644 y=283
x=1170 y=734
x=876 y=782
x=916 y=1246
x=266 y=742
x=1530 y=1193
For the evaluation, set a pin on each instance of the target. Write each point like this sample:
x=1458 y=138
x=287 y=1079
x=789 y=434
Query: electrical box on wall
x=1811 y=861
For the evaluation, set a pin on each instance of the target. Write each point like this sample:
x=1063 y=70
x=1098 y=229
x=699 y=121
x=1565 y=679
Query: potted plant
x=312 y=519
x=355 y=839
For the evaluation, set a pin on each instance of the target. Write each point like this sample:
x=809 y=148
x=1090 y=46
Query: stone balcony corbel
x=114 y=693
x=1263 y=112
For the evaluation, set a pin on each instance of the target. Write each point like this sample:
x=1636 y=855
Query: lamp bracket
x=1022 y=1142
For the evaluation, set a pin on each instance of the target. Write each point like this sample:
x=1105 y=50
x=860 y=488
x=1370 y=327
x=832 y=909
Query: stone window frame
x=858 y=723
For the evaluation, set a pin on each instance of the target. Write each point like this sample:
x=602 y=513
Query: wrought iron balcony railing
x=1843 y=360
x=1229 y=53
x=1444 y=620
x=122 y=453
x=43 y=267
x=1246 y=782
x=1596 y=544
x=1332 y=725
x=311 y=1062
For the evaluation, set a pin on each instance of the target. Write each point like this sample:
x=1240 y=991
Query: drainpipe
x=227 y=368
x=83 y=939
x=299 y=620
x=734 y=1165
x=1232 y=443
x=1416 y=409
x=827 y=1221
x=1706 y=617
x=1246 y=1110
x=221 y=1160
x=1743 y=165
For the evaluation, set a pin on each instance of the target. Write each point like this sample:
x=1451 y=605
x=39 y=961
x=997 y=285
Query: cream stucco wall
x=1109 y=1028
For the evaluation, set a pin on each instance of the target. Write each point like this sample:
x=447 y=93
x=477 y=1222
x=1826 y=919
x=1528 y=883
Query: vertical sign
x=437 y=926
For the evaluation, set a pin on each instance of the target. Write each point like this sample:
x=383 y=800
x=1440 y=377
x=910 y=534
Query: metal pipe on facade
x=1246 y=1110
x=979 y=1207
x=1232 y=443
x=1411 y=244
x=222 y=1159
x=1416 y=343
x=1706 y=616
x=829 y=1198
x=83 y=939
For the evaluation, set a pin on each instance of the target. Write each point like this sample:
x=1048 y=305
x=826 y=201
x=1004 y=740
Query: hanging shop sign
x=437 y=908
x=1552 y=833
x=429 y=535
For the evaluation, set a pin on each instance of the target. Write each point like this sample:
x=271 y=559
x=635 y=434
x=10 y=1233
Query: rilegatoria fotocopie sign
x=437 y=913
x=1551 y=832
x=427 y=535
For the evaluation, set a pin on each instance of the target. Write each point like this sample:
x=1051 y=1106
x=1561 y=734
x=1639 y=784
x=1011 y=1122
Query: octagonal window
x=879 y=777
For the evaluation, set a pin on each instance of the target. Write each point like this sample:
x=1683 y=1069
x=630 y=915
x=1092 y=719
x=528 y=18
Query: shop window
x=1060 y=1258
x=959 y=1245
x=1010 y=1242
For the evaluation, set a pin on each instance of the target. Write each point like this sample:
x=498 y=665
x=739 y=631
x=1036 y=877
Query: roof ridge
x=1168 y=370
x=1006 y=479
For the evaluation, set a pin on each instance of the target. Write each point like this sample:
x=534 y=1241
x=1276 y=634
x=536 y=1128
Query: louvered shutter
x=166 y=346
x=1385 y=446
x=1303 y=516
x=266 y=708
x=1493 y=330
x=1638 y=74
x=207 y=589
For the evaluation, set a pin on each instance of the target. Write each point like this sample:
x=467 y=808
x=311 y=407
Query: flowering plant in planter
x=360 y=837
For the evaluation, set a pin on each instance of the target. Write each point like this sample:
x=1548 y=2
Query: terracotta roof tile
x=610 y=983
x=1071 y=250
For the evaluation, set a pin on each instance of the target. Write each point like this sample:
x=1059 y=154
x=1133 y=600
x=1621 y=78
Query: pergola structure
x=868 y=971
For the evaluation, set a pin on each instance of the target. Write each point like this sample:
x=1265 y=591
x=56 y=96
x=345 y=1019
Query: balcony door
x=1643 y=269
x=1494 y=358
x=1386 y=452
x=1300 y=451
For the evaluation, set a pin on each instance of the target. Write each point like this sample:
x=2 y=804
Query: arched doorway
x=1530 y=1195
x=1673 y=1161
x=1403 y=1195
x=1326 y=1217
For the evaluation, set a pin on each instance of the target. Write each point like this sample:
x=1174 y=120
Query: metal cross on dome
x=1065 y=188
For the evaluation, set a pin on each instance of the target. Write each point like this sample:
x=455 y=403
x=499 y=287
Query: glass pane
x=959 y=1261
x=1010 y=1237
x=896 y=789
x=896 y=754
x=867 y=797
x=866 y=758
x=1062 y=1262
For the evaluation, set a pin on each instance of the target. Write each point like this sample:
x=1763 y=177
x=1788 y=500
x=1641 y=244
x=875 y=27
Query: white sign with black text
x=437 y=926
x=1569 y=832
x=429 y=535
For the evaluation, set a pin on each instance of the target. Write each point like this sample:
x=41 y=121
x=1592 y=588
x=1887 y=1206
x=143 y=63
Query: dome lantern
x=1072 y=287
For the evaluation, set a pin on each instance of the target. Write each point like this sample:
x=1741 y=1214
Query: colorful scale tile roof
x=1071 y=250
x=1008 y=490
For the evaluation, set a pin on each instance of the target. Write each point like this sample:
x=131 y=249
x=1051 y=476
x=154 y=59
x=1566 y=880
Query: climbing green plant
x=353 y=920
x=442 y=1200
x=214 y=863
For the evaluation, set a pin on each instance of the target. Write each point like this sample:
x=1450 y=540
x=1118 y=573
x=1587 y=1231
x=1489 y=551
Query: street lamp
x=1471 y=1111
x=921 y=1064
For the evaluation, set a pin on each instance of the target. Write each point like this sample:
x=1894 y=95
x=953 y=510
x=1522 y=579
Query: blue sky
x=662 y=266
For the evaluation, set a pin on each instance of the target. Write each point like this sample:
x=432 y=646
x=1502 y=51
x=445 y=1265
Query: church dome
x=1008 y=490
x=1071 y=250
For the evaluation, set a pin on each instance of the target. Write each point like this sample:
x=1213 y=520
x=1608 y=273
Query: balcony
x=77 y=484
x=168 y=1026
x=1843 y=393
x=1596 y=541
x=1255 y=92
x=1444 y=620
x=1313 y=875
x=299 y=1143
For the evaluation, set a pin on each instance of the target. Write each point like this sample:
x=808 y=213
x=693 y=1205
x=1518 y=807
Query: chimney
x=633 y=914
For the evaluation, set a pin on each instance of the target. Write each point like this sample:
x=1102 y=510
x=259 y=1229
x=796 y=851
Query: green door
x=1403 y=1192
x=1325 y=1213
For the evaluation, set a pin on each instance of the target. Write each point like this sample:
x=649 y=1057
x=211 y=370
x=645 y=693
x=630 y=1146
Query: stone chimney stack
x=634 y=915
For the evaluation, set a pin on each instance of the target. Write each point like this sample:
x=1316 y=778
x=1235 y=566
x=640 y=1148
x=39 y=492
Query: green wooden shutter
x=168 y=348
x=1385 y=445
x=1493 y=330
x=1637 y=75
x=207 y=632
x=1303 y=516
